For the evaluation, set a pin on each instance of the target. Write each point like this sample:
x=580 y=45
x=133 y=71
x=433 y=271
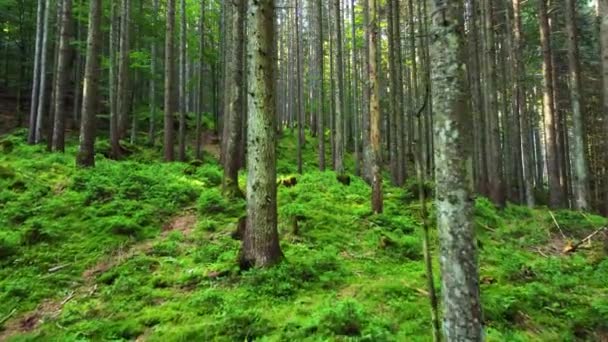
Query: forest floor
x=142 y=250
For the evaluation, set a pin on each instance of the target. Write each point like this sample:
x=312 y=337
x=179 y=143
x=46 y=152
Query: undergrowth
x=348 y=275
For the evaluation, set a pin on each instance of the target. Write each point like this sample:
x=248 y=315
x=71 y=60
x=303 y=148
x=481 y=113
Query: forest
x=303 y=170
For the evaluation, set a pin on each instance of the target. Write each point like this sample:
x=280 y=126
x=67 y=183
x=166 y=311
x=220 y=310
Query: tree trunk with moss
x=86 y=152
x=454 y=199
x=261 y=241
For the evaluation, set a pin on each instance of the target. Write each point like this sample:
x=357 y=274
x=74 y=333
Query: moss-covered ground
x=142 y=250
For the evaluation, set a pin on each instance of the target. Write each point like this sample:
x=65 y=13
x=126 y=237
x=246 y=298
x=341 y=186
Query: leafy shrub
x=6 y=172
x=210 y=174
x=212 y=202
x=486 y=213
x=165 y=249
x=346 y=318
x=37 y=231
x=8 y=244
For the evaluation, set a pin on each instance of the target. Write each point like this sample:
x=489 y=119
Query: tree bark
x=494 y=164
x=198 y=151
x=169 y=82
x=374 y=109
x=41 y=102
x=61 y=78
x=580 y=180
x=454 y=201
x=122 y=88
x=261 y=241
x=339 y=94
x=31 y=139
x=233 y=128
x=113 y=79
x=603 y=13
x=152 y=98
x=299 y=97
x=181 y=154
x=86 y=153
x=556 y=194
x=319 y=60
x=520 y=106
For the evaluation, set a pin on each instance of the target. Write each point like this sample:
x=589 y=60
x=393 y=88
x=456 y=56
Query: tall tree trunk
x=299 y=97
x=603 y=19
x=355 y=97
x=31 y=138
x=261 y=241
x=520 y=106
x=201 y=85
x=152 y=99
x=86 y=152
x=50 y=122
x=61 y=78
x=77 y=73
x=169 y=82
x=319 y=60
x=374 y=108
x=113 y=79
x=181 y=154
x=233 y=129
x=495 y=175
x=365 y=115
x=556 y=194
x=458 y=255
x=122 y=88
x=580 y=180
x=41 y=103
x=339 y=94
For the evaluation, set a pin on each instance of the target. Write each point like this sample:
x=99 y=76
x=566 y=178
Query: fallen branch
x=557 y=224
x=68 y=298
x=572 y=248
x=6 y=318
x=57 y=268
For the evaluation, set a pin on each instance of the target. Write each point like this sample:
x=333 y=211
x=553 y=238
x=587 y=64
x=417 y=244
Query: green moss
x=348 y=275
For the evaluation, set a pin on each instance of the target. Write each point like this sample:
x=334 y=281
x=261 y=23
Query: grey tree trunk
x=580 y=181
x=520 y=98
x=339 y=94
x=198 y=151
x=603 y=14
x=113 y=79
x=61 y=78
x=495 y=175
x=233 y=124
x=261 y=241
x=31 y=138
x=169 y=82
x=454 y=200
x=152 y=95
x=320 y=82
x=86 y=152
x=556 y=194
x=122 y=88
x=181 y=154
x=374 y=108
x=299 y=97
x=41 y=103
